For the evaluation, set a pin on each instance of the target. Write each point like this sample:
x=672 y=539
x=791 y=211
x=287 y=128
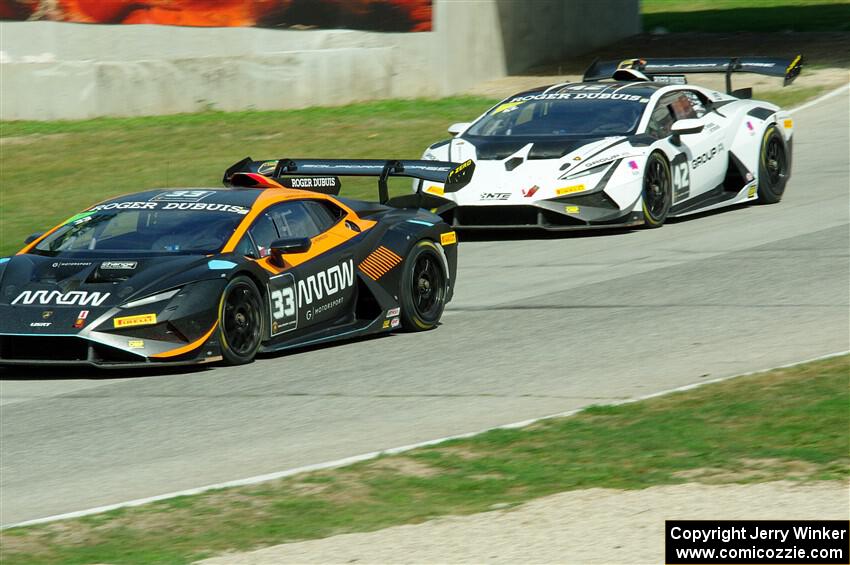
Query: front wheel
x=657 y=191
x=424 y=287
x=240 y=321
x=773 y=167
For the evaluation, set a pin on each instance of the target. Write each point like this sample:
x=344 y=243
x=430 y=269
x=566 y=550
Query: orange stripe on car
x=384 y=252
x=188 y=347
x=374 y=275
x=271 y=196
x=338 y=234
x=379 y=263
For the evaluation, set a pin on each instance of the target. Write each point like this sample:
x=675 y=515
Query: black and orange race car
x=274 y=260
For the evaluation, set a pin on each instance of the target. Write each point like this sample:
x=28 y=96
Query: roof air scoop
x=629 y=75
x=513 y=163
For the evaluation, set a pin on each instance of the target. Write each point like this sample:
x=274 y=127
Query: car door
x=311 y=289
x=710 y=159
x=699 y=160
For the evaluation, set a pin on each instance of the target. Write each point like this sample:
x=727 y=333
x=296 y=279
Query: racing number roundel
x=681 y=180
x=283 y=304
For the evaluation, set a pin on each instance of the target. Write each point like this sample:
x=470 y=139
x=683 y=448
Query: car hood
x=500 y=148
x=35 y=280
x=524 y=170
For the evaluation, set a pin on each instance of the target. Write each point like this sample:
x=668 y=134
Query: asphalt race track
x=538 y=327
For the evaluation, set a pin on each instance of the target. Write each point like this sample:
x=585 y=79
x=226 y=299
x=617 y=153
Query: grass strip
x=787 y=423
x=715 y=16
x=50 y=170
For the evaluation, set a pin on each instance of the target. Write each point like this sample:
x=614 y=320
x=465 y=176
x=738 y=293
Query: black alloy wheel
x=241 y=321
x=657 y=191
x=773 y=167
x=424 y=287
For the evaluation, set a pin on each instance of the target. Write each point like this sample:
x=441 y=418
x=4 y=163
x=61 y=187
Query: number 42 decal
x=681 y=178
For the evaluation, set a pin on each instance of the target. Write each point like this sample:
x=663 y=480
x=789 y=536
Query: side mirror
x=33 y=237
x=685 y=127
x=455 y=129
x=281 y=247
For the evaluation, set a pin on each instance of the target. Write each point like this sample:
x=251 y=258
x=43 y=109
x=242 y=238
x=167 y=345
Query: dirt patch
x=345 y=488
x=751 y=470
x=309 y=489
x=487 y=477
x=91 y=530
x=586 y=526
x=406 y=466
x=28 y=139
x=460 y=452
x=22 y=543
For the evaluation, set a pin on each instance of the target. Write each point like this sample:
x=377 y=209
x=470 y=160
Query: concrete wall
x=537 y=31
x=51 y=70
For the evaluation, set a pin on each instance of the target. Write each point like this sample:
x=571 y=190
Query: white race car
x=638 y=150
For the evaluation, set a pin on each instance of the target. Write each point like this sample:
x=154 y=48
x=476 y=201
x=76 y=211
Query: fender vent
x=367 y=306
x=512 y=164
x=379 y=262
x=736 y=173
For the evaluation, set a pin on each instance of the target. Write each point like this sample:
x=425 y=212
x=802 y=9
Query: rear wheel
x=657 y=191
x=773 y=167
x=240 y=321
x=424 y=287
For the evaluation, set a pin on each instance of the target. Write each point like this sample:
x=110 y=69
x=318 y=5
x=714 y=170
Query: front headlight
x=151 y=299
x=591 y=171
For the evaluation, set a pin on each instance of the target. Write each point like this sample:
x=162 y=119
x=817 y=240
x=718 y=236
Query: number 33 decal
x=283 y=308
x=284 y=303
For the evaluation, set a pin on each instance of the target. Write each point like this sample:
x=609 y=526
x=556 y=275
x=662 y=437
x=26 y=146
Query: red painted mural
x=373 y=15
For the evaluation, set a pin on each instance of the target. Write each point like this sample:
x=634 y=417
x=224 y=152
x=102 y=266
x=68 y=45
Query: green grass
x=793 y=95
x=787 y=423
x=746 y=15
x=51 y=170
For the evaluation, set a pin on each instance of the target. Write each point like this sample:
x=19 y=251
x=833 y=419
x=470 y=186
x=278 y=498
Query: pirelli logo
x=379 y=263
x=140 y=320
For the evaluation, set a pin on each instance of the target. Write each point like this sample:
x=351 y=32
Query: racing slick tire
x=657 y=193
x=424 y=287
x=240 y=316
x=773 y=167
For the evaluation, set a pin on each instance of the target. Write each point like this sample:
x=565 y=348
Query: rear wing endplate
x=281 y=172
x=645 y=69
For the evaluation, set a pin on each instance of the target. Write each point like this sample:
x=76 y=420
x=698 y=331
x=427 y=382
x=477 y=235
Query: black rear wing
x=454 y=175
x=786 y=67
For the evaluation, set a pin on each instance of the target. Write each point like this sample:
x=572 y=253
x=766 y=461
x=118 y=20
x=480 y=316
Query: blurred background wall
x=62 y=70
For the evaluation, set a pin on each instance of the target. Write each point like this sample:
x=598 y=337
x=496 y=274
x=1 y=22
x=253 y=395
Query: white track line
x=375 y=454
x=821 y=98
x=391 y=451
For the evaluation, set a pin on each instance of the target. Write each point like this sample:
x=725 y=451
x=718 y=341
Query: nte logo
x=70 y=298
x=495 y=195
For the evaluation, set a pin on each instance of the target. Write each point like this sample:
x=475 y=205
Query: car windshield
x=147 y=230
x=529 y=116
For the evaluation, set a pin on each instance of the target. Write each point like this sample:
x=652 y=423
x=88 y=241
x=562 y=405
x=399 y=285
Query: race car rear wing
x=249 y=173
x=650 y=69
